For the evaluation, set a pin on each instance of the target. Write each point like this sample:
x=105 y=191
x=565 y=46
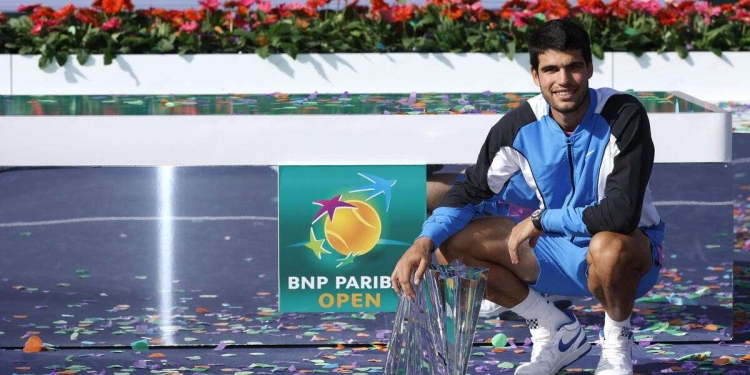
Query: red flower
x=194 y=15
x=113 y=6
x=65 y=12
x=620 y=8
x=315 y=4
x=596 y=8
x=3 y=18
x=42 y=13
x=402 y=12
x=453 y=12
x=87 y=16
x=37 y=28
x=112 y=24
x=41 y=25
x=378 y=5
x=28 y=8
x=667 y=16
x=513 y=6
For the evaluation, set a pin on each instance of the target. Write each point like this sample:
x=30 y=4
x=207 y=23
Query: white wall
x=702 y=74
x=5 y=75
x=250 y=74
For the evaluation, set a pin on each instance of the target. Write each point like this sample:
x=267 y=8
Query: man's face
x=563 y=77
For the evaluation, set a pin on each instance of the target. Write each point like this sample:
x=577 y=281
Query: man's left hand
x=523 y=231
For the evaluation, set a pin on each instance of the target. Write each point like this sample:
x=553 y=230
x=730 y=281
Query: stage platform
x=84 y=267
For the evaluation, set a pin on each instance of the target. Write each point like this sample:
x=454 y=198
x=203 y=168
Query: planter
x=702 y=74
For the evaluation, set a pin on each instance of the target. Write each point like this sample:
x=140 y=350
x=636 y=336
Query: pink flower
x=212 y=5
x=112 y=24
x=741 y=15
x=708 y=12
x=647 y=6
x=246 y=3
x=189 y=27
x=264 y=6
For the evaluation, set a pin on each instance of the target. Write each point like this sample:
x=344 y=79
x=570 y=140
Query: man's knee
x=610 y=251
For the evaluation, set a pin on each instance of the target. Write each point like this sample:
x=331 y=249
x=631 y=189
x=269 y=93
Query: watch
x=536 y=218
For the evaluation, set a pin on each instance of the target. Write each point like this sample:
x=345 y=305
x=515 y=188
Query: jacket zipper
x=572 y=174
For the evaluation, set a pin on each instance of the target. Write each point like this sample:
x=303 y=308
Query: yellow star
x=316 y=245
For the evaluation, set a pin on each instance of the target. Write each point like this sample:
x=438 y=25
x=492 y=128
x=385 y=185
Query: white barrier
x=304 y=139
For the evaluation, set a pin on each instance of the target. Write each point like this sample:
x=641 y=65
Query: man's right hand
x=418 y=255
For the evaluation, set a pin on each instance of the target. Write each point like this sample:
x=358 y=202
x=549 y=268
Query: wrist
x=424 y=243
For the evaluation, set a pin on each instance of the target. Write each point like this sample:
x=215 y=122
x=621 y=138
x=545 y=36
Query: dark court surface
x=85 y=266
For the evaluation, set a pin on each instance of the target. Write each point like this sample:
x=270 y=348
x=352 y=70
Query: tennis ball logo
x=353 y=230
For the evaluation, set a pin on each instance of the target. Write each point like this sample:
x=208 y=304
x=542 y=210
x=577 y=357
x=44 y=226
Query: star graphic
x=348 y=260
x=378 y=186
x=316 y=245
x=329 y=207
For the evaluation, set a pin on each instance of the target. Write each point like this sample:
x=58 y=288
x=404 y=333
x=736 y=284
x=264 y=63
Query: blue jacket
x=595 y=179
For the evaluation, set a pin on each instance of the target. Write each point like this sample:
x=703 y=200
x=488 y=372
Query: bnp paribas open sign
x=341 y=231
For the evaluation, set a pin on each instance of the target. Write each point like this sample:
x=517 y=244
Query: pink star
x=329 y=207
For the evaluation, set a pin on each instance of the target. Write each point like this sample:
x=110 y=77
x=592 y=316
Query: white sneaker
x=490 y=309
x=553 y=350
x=617 y=358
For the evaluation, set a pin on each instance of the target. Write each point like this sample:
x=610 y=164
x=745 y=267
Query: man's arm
x=620 y=209
x=496 y=164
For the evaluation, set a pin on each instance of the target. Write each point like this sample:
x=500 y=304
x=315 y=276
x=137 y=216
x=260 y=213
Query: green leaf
x=597 y=50
x=716 y=51
x=510 y=49
x=681 y=51
x=45 y=61
x=108 y=56
x=82 y=56
x=62 y=58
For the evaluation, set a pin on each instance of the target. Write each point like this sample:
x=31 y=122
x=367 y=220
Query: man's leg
x=438 y=185
x=617 y=262
x=558 y=337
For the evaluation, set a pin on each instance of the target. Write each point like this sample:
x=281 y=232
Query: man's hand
x=418 y=255
x=523 y=231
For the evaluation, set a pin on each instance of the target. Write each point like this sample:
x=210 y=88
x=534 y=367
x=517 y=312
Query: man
x=587 y=155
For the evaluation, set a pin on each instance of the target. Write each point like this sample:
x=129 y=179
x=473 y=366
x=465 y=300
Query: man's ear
x=590 y=69
x=535 y=76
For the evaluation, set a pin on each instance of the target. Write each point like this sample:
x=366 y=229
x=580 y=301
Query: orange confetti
x=157 y=355
x=20 y=316
x=518 y=351
x=24 y=368
x=33 y=345
x=340 y=346
x=711 y=327
x=498 y=350
x=721 y=361
x=202 y=310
